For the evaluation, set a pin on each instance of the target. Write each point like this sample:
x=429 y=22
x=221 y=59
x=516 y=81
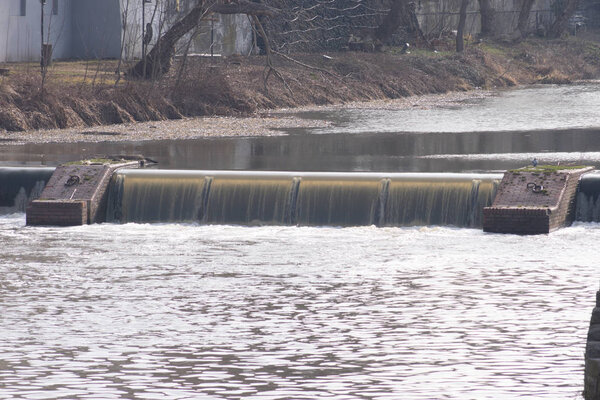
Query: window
x=23 y=8
x=54 y=7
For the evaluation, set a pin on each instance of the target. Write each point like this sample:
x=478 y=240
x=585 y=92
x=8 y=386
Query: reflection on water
x=224 y=312
x=552 y=123
x=434 y=152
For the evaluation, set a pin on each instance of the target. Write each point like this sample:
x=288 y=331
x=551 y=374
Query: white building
x=88 y=29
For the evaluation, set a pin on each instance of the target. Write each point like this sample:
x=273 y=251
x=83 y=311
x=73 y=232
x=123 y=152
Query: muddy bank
x=235 y=86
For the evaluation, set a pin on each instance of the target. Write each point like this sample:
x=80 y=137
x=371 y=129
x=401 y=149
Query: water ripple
x=222 y=312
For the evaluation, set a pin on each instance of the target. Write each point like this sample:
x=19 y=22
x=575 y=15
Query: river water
x=504 y=131
x=167 y=311
x=187 y=311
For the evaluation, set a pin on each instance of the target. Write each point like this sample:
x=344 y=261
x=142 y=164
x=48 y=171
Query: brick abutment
x=76 y=194
x=534 y=200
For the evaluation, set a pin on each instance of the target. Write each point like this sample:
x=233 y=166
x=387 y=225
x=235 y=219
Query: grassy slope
x=83 y=94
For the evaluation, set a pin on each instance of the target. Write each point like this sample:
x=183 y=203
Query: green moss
x=94 y=161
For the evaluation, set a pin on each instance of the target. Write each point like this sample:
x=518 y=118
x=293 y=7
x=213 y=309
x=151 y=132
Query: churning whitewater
x=167 y=311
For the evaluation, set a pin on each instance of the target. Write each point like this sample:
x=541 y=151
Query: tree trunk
x=402 y=13
x=560 y=23
x=523 y=23
x=487 y=17
x=462 y=20
x=158 y=61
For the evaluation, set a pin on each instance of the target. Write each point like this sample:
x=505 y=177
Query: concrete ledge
x=57 y=212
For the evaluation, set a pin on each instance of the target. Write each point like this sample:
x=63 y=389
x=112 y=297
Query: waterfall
x=155 y=197
x=18 y=186
x=236 y=200
x=300 y=198
x=431 y=201
x=588 y=195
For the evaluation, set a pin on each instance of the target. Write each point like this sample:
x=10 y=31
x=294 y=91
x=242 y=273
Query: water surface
x=552 y=123
x=170 y=311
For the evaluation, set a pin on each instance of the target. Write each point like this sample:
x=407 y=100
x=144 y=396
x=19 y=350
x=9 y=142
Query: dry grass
x=92 y=72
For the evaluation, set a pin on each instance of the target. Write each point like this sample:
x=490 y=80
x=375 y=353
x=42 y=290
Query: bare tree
x=462 y=19
x=158 y=61
x=125 y=19
x=323 y=25
x=488 y=14
x=559 y=25
x=402 y=14
x=523 y=22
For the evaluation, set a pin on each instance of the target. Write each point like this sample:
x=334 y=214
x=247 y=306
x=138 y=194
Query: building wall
x=20 y=36
x=96 y=29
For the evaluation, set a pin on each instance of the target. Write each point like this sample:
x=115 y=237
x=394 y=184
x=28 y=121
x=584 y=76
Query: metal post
x=143 y=29
x=42 y=2
x=144 y=37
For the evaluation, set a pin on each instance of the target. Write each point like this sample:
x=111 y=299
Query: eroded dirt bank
x=235 y=87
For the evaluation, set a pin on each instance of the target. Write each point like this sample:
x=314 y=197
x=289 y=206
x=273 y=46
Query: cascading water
x=300 y=198
x=588 y=198
x=327 y=200
x=451 y=201
x=18 y=186
x=235 y=200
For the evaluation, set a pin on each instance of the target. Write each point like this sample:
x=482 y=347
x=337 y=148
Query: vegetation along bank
x=80 y=94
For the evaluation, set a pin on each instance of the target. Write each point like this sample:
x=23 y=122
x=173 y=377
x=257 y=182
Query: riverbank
x=218 y=89
x=266 y=123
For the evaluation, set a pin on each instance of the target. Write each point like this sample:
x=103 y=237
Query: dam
x=282 y=198
x=292 y=198
x=295 y=198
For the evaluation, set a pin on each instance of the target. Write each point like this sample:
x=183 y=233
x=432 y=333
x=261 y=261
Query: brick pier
x=76 y=194
x=534 y=200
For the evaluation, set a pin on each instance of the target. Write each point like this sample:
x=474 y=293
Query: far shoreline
x=228 y=97
x=263 y=123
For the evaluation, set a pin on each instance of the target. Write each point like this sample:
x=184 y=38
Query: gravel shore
x=270 y=123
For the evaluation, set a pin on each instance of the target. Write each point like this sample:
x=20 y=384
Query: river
x=504 y=131
x=167 y=311
x=185 y=311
